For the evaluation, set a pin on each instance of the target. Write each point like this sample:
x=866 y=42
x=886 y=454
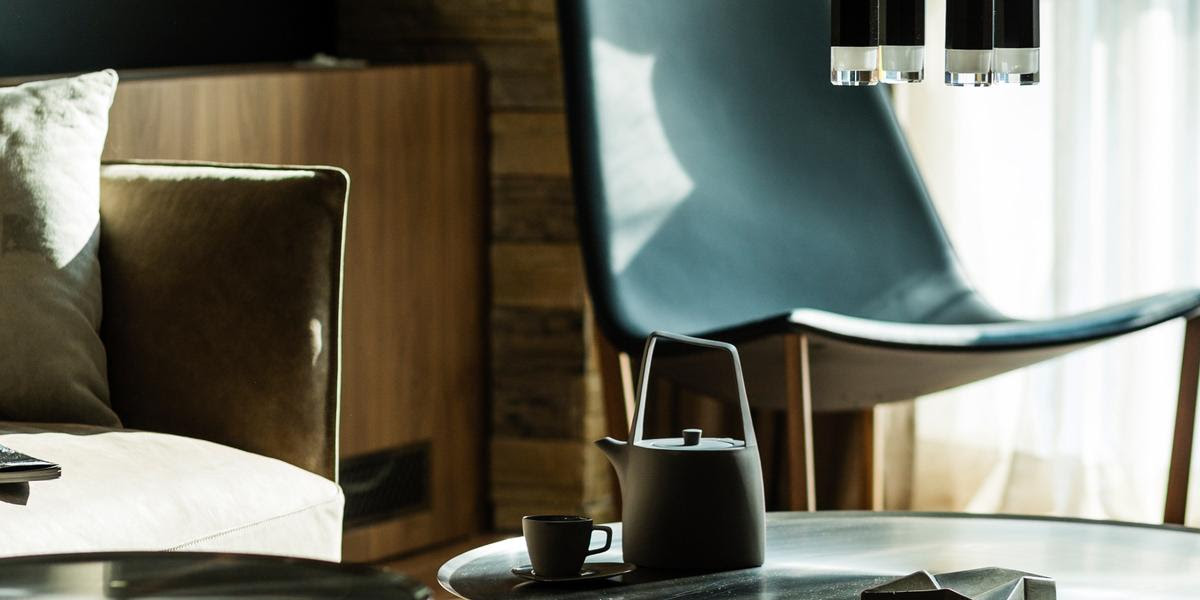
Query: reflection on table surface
x=836 y=555
x=197 y=575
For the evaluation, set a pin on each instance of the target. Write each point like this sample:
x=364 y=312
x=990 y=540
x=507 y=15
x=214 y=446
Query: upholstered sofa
x=221 y=290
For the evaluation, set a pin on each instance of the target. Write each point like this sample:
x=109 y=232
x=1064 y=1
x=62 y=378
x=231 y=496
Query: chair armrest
x=222 y=290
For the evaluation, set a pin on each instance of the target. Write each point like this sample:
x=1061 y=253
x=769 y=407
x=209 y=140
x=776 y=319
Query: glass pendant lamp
x=1018 y=37
x=969 y=37
x=902 y=41
x=854 y=42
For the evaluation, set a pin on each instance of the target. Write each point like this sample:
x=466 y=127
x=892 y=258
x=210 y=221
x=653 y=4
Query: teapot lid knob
x=691 y=437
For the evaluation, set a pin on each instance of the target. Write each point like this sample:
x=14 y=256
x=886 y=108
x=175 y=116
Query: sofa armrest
x=222 y=289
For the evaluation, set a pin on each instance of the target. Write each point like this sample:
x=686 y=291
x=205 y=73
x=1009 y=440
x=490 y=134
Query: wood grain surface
x=544 y=375
x=415 y=290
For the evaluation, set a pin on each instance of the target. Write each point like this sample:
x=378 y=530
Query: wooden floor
x=423 y=566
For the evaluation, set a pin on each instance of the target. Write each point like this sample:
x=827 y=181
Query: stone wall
x=545 y=396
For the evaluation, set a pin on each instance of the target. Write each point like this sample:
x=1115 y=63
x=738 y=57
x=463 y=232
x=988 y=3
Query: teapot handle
x=635 y=433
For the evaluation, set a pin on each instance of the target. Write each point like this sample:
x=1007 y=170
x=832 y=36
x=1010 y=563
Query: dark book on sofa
x=16 y=467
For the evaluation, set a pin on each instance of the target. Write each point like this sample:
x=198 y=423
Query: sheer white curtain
x=1059 y=198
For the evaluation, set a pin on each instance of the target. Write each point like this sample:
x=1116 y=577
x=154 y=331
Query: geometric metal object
x=990 y=583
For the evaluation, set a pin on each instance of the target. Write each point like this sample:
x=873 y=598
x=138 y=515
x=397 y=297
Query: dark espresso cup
x=558 y=543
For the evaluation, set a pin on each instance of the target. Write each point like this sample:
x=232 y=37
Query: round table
x=197 y=575
x=836 y=555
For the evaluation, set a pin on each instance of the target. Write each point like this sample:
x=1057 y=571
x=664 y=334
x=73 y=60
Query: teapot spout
x=617 y=453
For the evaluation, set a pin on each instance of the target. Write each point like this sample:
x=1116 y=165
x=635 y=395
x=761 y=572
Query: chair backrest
x=721 y=179
x=222 y=292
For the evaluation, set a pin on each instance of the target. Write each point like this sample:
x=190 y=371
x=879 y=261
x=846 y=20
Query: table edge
x=447 y=568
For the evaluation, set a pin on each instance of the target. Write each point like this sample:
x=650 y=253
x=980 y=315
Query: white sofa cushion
x=135 y=490
x=52 y=364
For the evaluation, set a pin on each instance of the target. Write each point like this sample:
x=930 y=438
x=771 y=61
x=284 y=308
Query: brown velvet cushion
x=221 y=295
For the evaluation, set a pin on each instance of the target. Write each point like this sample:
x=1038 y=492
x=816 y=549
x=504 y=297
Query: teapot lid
x=692 y=440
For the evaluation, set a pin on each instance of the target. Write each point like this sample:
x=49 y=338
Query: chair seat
x=859 y=362
x=1093 y=325
x=136 y=490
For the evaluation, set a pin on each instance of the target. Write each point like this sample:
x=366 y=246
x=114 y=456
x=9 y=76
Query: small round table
x=836 y=555
x=197 y=575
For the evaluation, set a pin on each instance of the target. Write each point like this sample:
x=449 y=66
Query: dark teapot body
x=693 y=510
x=691 y=502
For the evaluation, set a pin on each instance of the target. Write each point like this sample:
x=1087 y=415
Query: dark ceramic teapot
x=690 y=502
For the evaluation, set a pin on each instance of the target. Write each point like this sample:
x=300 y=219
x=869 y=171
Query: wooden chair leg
x=801 y=485
x=616 y=382
x=873 y=436
x=765 y=421
x=895 y=438
x=848 y=453
x=616 y=374
x=887 y=432
x=1185 y=419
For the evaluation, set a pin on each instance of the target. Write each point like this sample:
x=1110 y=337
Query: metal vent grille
x=386 y=484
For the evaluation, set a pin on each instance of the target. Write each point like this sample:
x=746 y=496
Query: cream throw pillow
x=52 y=365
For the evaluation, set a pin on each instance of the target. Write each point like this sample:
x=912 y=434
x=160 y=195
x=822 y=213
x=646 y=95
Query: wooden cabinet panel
x=414 y=296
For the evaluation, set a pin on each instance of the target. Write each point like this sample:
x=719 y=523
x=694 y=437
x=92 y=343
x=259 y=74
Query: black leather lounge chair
x=726 y=190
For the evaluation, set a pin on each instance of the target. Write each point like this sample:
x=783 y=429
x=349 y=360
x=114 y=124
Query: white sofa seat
x=136 y=490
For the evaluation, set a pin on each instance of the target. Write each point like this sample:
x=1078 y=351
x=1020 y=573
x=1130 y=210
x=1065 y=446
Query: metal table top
x=197 y=575
x=836 y=555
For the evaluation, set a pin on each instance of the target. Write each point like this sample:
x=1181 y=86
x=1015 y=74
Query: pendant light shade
x=969 y=42
x=854 y=42
x=1018 y=38
x=902 y=41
